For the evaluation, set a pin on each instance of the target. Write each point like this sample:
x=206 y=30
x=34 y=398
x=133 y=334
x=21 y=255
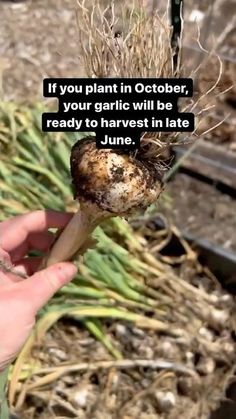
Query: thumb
x=41 y=286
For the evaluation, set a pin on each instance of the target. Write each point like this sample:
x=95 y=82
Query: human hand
x=20 y=299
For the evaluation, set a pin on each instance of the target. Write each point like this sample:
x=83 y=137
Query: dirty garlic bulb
x=107 y=183
x=112 y=180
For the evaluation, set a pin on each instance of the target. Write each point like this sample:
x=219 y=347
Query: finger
x=4 y=279
x=15 y=231
x=28 y=266
x=38 y=241
x=40 y=287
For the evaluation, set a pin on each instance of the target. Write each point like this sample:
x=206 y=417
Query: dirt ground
x=201 y=209
x=38 y=39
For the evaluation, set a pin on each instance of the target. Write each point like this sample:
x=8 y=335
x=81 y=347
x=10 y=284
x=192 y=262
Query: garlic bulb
x=112 y=179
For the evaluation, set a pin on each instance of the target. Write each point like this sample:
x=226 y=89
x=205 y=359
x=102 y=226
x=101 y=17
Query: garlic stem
x=72 y=237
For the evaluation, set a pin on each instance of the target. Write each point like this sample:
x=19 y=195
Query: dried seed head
x=113 y=180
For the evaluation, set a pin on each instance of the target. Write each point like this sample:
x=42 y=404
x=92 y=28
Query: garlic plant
x=112 y=183
x=107 y=183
